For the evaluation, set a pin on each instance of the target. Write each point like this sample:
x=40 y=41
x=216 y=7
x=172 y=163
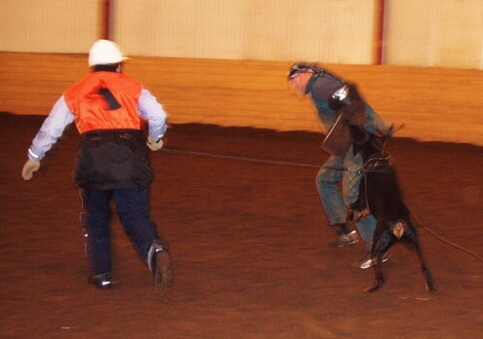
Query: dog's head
x=370 y=146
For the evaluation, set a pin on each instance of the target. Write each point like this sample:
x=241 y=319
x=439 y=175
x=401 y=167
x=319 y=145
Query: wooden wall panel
x=433 y=104
x=30 y=83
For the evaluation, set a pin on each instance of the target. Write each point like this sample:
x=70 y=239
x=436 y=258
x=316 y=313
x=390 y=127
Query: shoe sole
x=164 y=276
x=368 y=264
x=349 y=243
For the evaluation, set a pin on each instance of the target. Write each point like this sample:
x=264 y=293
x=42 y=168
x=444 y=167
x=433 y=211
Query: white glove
x=29 y=168
x=153 y=144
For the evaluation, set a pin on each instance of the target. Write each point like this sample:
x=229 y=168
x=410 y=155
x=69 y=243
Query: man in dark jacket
x=109 y=110
x=347 y=120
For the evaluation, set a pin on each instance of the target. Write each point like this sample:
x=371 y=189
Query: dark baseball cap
x=298 y=68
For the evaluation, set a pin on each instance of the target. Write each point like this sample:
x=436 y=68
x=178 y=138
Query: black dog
x=381 y=196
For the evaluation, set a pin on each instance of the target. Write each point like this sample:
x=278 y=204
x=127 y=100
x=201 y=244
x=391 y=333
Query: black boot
x=159 y=263
x=102 y=281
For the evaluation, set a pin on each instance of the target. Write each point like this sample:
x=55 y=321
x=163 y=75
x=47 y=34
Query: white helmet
x=105 y=52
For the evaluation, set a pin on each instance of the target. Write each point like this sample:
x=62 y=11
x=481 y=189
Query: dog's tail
x=399 y=228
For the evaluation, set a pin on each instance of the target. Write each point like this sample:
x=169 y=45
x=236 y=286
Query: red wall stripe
x=106 y=20
x=379 y=31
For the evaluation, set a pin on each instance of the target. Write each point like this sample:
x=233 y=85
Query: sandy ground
x=249 y=245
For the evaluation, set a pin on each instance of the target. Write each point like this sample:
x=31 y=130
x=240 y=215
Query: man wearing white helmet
x=109 y=110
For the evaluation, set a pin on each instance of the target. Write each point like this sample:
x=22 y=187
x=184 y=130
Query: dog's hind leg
x=412 y=243
x=382 y=243
x=379 y=280
x=429 y=278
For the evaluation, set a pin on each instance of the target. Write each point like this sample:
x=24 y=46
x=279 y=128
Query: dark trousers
x=132 y=207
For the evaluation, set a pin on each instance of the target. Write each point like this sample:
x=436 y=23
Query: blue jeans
x=132 y=207
x=338 y=186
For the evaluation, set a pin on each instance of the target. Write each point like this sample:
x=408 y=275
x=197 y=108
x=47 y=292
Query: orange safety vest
x=105 y=101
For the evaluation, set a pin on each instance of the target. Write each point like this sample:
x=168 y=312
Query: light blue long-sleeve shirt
x=60 y=116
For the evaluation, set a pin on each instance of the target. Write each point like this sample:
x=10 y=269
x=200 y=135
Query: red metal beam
x=106 y=20
x=378 y=54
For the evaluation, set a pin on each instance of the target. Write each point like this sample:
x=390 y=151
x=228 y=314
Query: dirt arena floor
x=249 y=245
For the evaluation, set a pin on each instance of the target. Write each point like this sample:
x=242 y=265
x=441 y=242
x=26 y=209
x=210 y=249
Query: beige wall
x=49 y=26
x=318 y=30
x=445 y=33
x=430 y=33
